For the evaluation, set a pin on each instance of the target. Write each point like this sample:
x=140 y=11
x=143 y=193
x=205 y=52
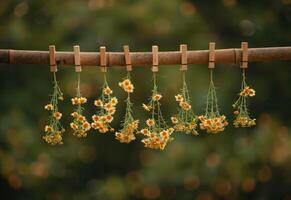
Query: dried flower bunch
x=106 y=106
x=129 y=125
x=54 y=130
x=185 y=121
x=212 y=121
x=80 y=125
x=157 y=133
x=242 y=117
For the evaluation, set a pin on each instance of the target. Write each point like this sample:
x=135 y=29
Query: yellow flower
x=74 y=126
x=107 y=91
x=156 y=97
x=74 y=114
x=49 y=107
x=98 y=103
x=150 y=122
x=114 y=101
x=57 y=115
x=48 y=128
x=146 y=107
x=145 y=132
x=185 y=106
x=129 y=88
x=108 y=106
x=82 y=100
x=111 y=111
x=103 y=129
x=179 y=98
x=174 y=120
x=252 y=92
x=81 y=118
x=95 y=118
x=75 y=101
x=108 y=118
x=86 y=126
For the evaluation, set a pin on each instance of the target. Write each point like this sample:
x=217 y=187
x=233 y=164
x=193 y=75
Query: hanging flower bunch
x=129 y=125
x=54 y=130
x=157 y=133
x=242 y=117
x=212 y=121
x=107 y=107
x=80 y=125
x=185 y=120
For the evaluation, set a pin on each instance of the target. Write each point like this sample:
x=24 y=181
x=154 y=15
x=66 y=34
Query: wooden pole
x=226 y=56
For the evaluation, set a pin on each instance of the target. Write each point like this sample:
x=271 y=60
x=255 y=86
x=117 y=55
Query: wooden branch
x=145 y=58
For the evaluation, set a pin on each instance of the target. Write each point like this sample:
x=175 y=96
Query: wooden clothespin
x=77 y=58
x=155 y=51
x=103 y=61
x=244 y=56
x=184 y=61
x=127 y=58
x=211 y=64
x=52 y=55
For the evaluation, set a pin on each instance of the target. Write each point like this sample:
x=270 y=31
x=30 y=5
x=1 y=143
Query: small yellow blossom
x=114 y=101
x=107 y=91
x=75 y=101
x=185 y=106
x=150 y=122
x=49 y=107
x=146 y=107
x=157 y=97
x=48 y=128
x=98 y=103
x=57 y=115
x=74 y=114
x=82 y=100
x=179 y=98
x=174 y=120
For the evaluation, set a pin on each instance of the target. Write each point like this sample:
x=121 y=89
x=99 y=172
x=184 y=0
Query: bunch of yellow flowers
x=213 y=124
x=106 y=106
x=129 y=125
x=185 y=121
x=247 y=91
x=80 y=125
x=157 y=133
x=126 y=85
x=54 y=130
x=212 y=121
x=242 y=116
x=156 y=140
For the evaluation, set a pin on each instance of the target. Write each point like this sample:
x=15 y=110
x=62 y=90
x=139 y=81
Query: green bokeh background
x=250 y=163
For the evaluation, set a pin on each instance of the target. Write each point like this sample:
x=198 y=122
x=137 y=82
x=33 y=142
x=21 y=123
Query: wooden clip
x=184 y=61
x=77 y=58
x=103 y=63
x=244 y=56
x=127 y=58
x=155 y=52
x=52 y=55
x=211 y=55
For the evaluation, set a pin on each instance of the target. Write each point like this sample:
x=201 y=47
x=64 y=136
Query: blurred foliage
x=237 y=164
